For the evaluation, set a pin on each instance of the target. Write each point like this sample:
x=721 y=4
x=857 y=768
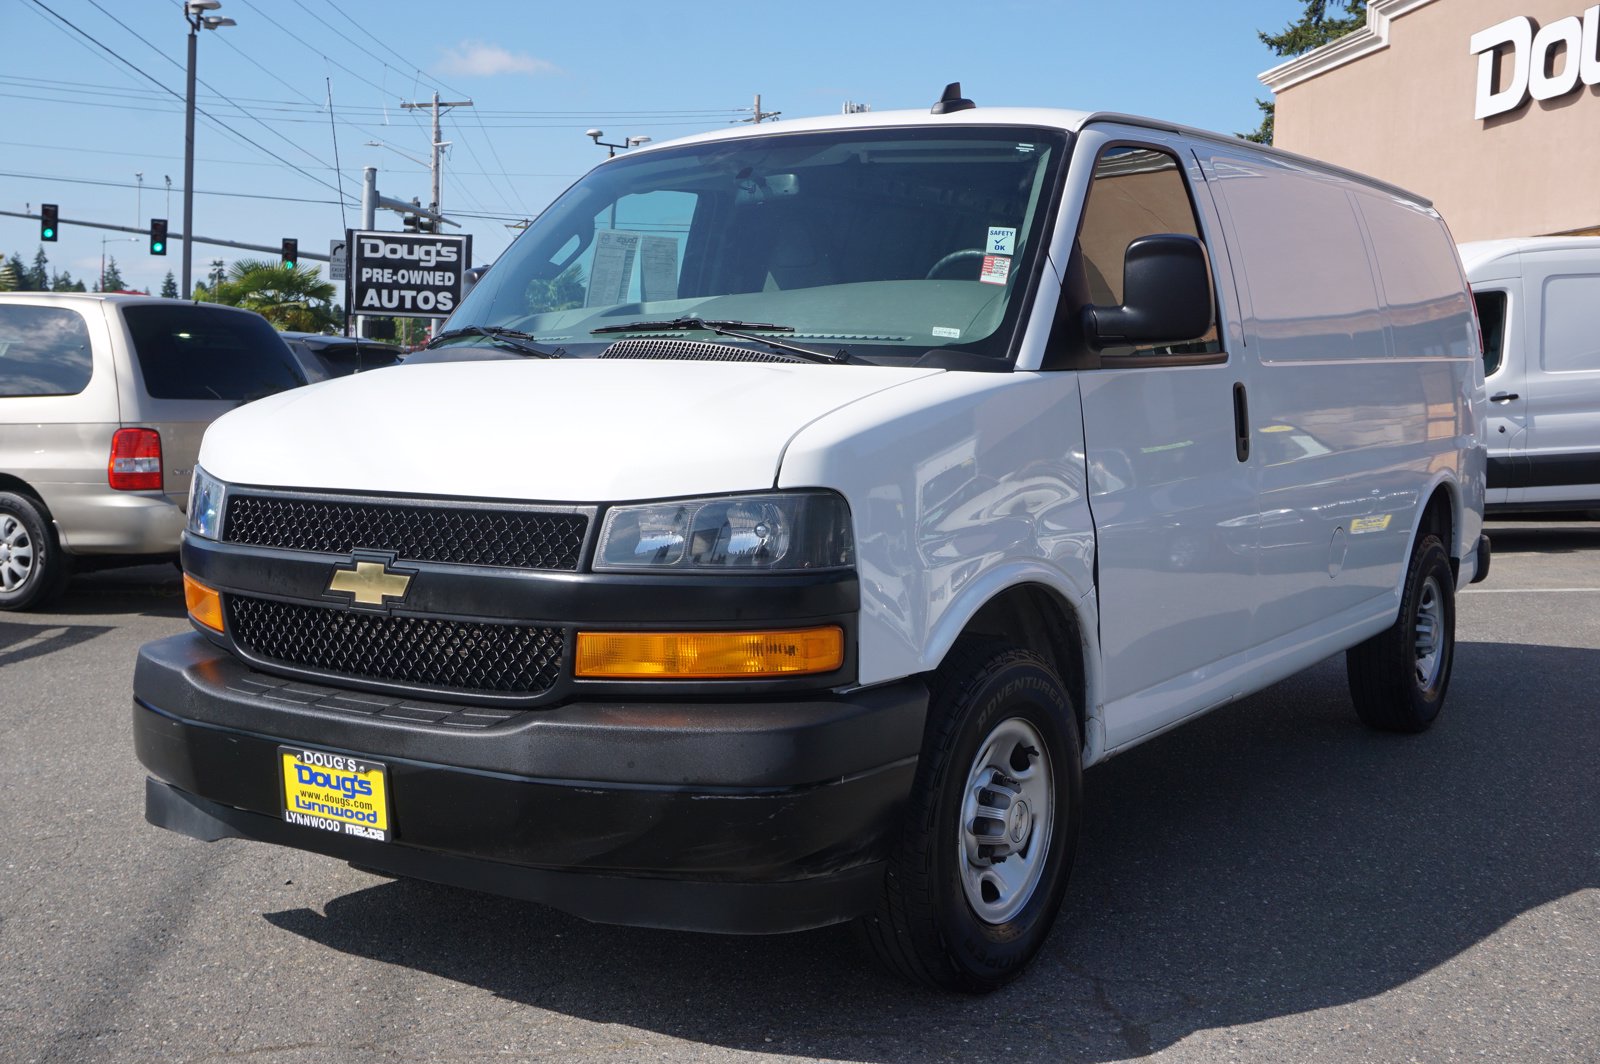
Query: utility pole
x=758 y=115
x=436 y=104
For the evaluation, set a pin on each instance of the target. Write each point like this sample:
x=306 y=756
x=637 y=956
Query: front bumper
x=738 y=817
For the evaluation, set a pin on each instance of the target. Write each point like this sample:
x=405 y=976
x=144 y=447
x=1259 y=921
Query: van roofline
x=1479 y=253
x=1068 y=121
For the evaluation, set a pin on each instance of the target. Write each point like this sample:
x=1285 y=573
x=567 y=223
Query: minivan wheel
x=991 y=827
x=1398 y=677
x=32 y=569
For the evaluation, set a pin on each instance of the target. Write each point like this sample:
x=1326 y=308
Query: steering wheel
x=954 y=256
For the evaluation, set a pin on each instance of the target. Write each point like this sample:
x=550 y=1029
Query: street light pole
x=194 y=13
x=184 y=290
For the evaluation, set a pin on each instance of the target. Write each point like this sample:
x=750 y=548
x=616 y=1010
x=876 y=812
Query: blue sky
x=539 y=74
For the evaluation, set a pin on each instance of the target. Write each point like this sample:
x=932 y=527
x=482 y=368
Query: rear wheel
x=1398 y=678
x=32 y=568
x=988 y=841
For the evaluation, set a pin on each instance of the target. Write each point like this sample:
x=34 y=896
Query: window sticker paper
x=996 y=268
x=1002 y=241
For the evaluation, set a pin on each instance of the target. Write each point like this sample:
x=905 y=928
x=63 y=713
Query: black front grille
x=464 y=535
x=424 y=652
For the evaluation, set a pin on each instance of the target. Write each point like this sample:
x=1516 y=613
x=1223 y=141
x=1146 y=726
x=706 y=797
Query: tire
x=1398 y=678
x=32 y=567
x=1002 y=737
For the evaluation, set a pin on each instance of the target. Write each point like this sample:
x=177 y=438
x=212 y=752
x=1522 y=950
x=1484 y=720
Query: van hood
x=581 y=430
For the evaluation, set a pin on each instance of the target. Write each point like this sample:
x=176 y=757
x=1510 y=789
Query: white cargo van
x=1539 y=305
x=843 y=489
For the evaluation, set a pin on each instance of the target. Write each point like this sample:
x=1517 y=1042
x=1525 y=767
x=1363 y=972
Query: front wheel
x=987 y=845
x=1398 y=677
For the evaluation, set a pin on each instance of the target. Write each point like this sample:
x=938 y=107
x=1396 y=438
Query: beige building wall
x=1404 y=113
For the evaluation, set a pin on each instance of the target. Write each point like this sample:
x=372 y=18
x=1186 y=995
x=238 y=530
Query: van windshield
x=191 y=351
x=884 y=244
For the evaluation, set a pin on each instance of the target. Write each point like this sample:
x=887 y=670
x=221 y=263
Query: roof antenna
x=951 y=101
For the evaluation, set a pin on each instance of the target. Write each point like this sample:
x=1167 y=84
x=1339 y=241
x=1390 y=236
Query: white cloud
x=480 y=59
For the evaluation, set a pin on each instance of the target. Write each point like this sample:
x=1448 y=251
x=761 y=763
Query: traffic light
x=291 y=252
x=158 y=236
x=411 y=222
x=48 y=221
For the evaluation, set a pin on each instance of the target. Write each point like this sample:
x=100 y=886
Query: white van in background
x=1539 y=307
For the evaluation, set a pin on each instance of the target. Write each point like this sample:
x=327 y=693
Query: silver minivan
x=103 y=399
x=1539 y=307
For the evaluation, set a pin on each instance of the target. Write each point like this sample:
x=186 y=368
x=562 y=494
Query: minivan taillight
x=135 y=460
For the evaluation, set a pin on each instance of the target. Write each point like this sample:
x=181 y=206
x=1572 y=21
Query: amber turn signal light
x=708 y=655
x=205 y=605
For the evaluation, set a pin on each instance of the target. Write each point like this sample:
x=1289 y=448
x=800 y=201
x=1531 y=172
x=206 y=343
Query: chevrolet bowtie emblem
x=370 y=583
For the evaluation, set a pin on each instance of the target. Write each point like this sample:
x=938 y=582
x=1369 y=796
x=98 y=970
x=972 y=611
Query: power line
x=304 y=151
x=89 y=37
x=130 y=184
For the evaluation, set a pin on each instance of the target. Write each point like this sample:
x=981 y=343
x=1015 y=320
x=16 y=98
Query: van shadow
x=154 y=590
x=19 y=642
x=1270 y=859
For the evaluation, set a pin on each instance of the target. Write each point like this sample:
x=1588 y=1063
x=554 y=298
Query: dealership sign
x=406 y=275
x=1544 y=62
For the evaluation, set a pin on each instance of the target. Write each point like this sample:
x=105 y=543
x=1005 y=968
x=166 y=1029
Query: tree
x=63 y=282
x=17 y=273
x=296 y=299
x=561 y=292
x=1313 y=29
x=39 y=275
x=169 y=286
x=111 y=280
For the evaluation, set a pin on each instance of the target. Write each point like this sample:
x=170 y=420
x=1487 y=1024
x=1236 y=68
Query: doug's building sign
x=1543 y=62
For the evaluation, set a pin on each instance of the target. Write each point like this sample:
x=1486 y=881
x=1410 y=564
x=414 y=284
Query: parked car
x=323 y=357
x=1539 y=306
x=103 y=400
x=894 y=468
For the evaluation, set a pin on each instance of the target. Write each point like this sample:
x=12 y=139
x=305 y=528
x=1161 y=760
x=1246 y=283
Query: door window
x=43 y=351
x=1492 y=323
x=1136 y=192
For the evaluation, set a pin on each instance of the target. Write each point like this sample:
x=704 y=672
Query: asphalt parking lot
x=1270 y=883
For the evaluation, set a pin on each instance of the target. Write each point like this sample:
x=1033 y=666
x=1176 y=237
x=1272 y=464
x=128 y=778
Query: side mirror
x=1166 y=295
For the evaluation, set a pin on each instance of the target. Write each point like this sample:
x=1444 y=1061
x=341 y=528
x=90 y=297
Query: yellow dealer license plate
x=332 y=792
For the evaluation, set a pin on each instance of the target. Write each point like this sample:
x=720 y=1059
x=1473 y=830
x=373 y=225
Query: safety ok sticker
x=996 y=268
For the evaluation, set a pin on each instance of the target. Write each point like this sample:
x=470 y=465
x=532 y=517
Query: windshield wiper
x=507 y=337
x=728 y=328
x=671 y=324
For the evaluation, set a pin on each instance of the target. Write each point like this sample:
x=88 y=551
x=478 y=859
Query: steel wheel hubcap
x=16 y=554
x=1429 y=633
x=1006 y=812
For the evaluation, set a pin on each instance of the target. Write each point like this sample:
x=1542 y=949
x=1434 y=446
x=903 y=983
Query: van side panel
x=1561 y=336
x=960 y=485
x=1361 y=394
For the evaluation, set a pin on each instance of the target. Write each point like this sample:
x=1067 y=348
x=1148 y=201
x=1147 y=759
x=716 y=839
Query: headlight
x=207 y=499
x=752 y=533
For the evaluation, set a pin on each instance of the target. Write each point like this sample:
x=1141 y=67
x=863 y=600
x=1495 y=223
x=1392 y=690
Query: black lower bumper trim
x=675 y=904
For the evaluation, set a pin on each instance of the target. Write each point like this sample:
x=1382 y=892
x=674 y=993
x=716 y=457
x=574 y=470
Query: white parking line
x=1529 y=590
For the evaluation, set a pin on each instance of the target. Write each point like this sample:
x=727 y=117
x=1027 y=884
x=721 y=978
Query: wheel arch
x=1440 y=515
x=18 y=486
x=1036 y=616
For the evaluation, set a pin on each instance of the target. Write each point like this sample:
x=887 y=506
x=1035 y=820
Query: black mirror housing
x=1166 y=295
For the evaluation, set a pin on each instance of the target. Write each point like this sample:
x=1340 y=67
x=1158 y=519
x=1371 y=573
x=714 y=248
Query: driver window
x=1136 y=192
